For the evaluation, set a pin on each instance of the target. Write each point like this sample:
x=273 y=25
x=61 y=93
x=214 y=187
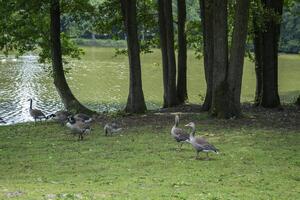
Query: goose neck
x=30 y=104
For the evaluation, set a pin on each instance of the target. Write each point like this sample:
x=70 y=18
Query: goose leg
x=197 y=155
x=180 y=145
x=207 y=157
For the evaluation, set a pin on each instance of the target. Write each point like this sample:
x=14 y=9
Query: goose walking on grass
x=111 y=128
x=199 y=143
x=60 y=116
x=2 y=121
x=78 y=127
x=179 y=134
x=35 y=113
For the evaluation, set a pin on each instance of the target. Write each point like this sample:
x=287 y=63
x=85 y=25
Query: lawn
x=45 y=161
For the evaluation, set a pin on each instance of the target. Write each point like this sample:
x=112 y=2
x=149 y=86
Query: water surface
x=100 y=81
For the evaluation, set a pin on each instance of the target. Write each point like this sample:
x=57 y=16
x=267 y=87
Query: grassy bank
x=45 y=161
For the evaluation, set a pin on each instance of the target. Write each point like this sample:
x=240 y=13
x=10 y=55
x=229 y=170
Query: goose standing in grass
x=83 y=117
x=179 y=134
x=2 y=121
x=60 y=116
x=199 y=143
x=79 y=127
x=111 y=128
x=35 y=113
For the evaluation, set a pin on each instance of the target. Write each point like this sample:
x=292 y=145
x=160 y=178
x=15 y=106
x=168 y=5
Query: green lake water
x=100 y=81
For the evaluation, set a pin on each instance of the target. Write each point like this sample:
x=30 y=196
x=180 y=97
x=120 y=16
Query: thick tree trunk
x=266 y=55
x=182 y=53
x=68 y=99
x=298 y=101
x=169 y=64
x=258 y=51
x=237 y=53
x=270 y=96
x=206 y=9
x=219 y=105
x=135 y=101
x=163 y=47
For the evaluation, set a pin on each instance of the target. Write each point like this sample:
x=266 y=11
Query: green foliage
x=26 y=26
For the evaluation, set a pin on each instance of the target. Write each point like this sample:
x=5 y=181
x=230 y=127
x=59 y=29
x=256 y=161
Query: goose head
x=71 y=120
x=193 y=126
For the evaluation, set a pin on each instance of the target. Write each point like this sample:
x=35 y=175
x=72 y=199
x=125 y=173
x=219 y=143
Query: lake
x=100 y=81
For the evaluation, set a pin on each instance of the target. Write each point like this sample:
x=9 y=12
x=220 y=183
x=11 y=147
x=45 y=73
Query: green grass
x=142 y=163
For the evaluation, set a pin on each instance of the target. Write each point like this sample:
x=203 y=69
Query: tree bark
x=237 y=53
x=167 y=46
x=220 y=65
x=258 y=51
x=163 y=47
x=266 y=55
x=206 y=9
x=298 y=101
x=65 y=93
x=270 y=96
x=182 y=53
x=135 y=101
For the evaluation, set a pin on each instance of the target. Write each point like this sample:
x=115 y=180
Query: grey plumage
x=78 y=127
x=35 y=113
x=179 y=134
x=199 y=143
x=83 y=117
x=60 y=116
x=111 y=128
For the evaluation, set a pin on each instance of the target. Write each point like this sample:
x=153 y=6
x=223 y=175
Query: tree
x=223 y=72
x=266 y=54
x=237 y=54
x=68 y=99
x=220 y=59
x=206 y=7
x=135 y=101
x=165 y=20
x=182 y=53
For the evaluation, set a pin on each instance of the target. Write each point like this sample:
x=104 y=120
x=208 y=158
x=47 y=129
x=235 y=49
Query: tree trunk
x=169 y=64
x=258 y=51
x=182 y=53
x=220 y=65
x=68 y=99
x=135 y=101
x=266 y=55
x=270 y=96
x=206 y=9
x=163 y=47
x=237 y=53
x=298 y=101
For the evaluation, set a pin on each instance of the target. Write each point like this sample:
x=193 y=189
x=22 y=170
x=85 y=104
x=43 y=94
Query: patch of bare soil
x=287 y=118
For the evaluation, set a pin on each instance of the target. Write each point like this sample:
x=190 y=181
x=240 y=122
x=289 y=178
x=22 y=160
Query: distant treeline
x=289 y=38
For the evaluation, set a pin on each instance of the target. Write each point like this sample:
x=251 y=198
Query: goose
x=35 y=113
x=199 y=143
x=179 y=134
x=83 y=117
x=60 y=116
x=111 y=128
x=78 y=126
x=2 y=121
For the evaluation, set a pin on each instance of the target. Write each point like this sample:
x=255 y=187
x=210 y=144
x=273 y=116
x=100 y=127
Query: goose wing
x=180 y=135
x=203 y=145
x=37 y=113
